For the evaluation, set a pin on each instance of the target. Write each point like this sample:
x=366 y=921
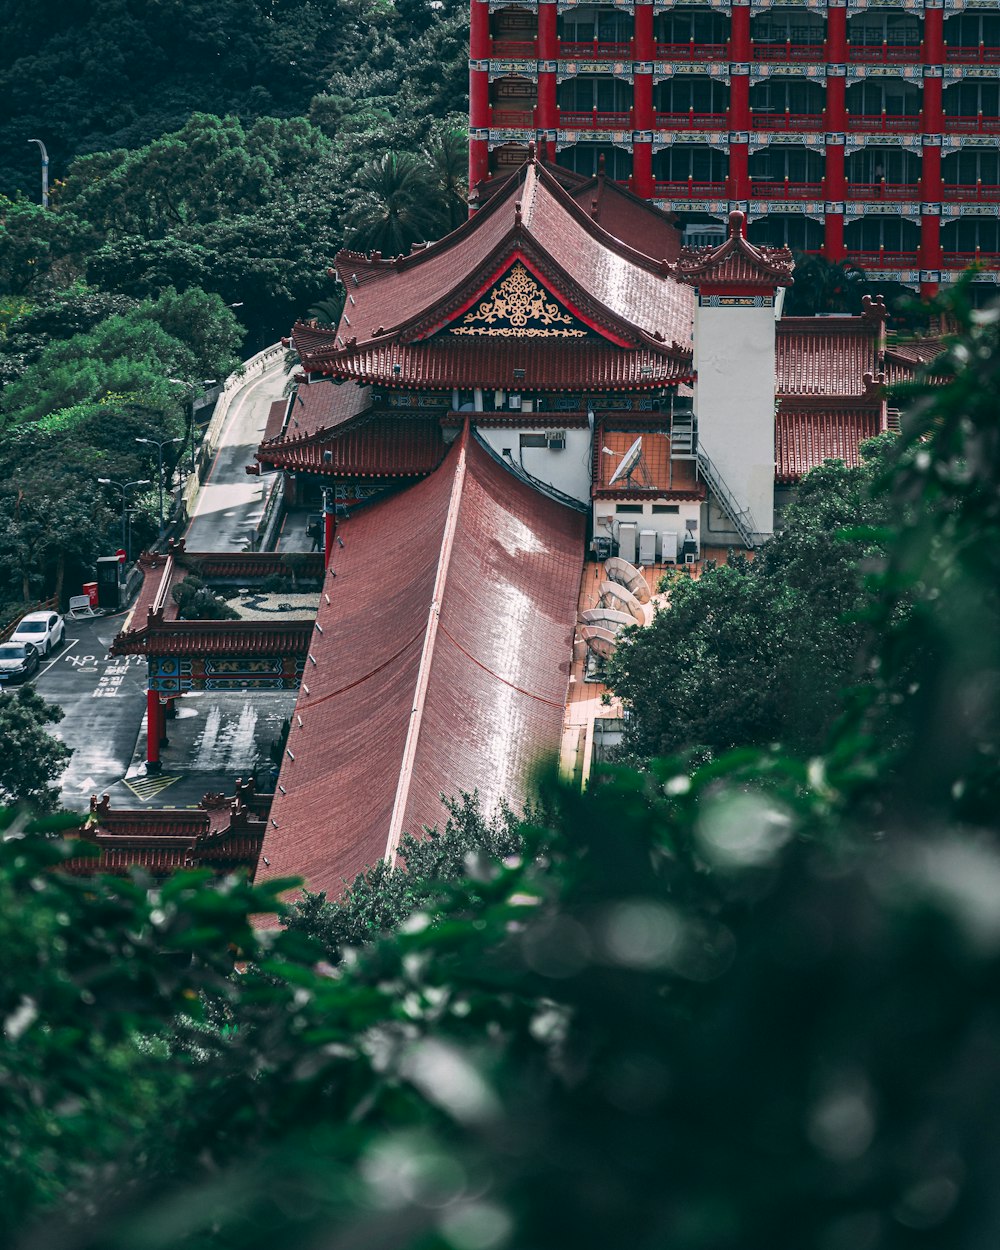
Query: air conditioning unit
x=556 y=440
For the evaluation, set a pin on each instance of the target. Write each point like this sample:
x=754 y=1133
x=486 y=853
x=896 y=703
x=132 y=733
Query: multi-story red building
x=868 y=133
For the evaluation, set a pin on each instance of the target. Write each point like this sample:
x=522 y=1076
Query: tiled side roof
x=442 y=665
x=903 y=361
x=636 y=222
x=382 y=447
x=323 y=406
x=825 y=355
x=275 y=420
x=567 y=364
x=806 y=435
x=200 y=638
x=657 y=474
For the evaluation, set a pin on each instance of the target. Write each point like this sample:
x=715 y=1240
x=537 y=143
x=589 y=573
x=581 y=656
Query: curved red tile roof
x=564 y=364
x=736 y=262
x=382 y=447
x=619 y=290
x=441 y=664
x=321 y=406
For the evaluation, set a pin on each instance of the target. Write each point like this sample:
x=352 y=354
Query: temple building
x=866 y=132
x=556 y=377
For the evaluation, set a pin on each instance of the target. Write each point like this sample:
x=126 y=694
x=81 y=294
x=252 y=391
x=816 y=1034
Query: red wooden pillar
x=645 y=48
x=739 y=171
x=739 y=33
x=933 y=109
x=152 y=732
x=933 y=36
x=479 y=92
x=836 y=35
x=836 y=103
x=835 y=186
x=548 y=51
x=833 y=236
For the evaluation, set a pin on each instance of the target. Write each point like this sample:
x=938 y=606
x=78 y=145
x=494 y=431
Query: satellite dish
x=600 y=641
x=627 y=575
x=628 y=462
x=622 y=600
x=606 y=618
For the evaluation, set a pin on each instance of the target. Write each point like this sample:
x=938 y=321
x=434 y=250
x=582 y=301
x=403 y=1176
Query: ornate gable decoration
x=519 y=308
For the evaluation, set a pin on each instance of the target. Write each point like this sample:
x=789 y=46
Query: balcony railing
x=689 y=189
x=788 y=51
x=784 y=189
x=692 y=51
x=885 y=123
x=962 y=260
x=982 y=55
x=692 y=121
x=513 y=49
x=881 y=259
x=980 y=193
x=512 y=119
x=885 y=53
x=978 y=125
x=786 y=121
x=595 y=120
x=595 y=50
x=882 y=190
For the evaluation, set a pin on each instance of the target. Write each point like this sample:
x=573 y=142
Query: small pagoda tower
x=737 y=289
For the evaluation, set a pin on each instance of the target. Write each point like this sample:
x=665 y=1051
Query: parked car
x=18 y=660
x=44 y=630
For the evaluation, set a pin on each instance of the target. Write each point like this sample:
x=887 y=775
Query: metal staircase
x=742 y=518
x=683 y=436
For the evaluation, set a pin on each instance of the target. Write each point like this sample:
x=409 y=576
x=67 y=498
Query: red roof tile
x=656 y=474
x=156 y=636
x=825 y=355
x=442 y=665
x=275 y=419
x=636 y=222
x=322 y=406
x=377 y=448
x=805 y=436
x=736 y=262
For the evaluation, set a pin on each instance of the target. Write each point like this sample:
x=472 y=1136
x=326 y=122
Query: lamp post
x=159 y=445
x=124 y=487
x=189 y=405
x=45 y=171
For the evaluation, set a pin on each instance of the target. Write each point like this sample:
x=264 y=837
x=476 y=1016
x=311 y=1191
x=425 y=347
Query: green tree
x=31 y=760
x=393 y=206
x=758 y=651
x=37 y=248
x=825 y=286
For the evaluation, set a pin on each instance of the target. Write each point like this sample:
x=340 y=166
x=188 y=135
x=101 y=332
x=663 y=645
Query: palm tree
x=395 y=205
x=825 y=286
x=447 y=156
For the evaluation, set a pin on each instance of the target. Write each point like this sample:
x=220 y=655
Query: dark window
x=533 y=440
x=630 y=509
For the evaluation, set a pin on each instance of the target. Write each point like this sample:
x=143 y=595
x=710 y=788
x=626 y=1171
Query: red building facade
x=866 y=133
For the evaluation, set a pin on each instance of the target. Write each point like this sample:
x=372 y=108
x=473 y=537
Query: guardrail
x=250 y=369
x=42 y=605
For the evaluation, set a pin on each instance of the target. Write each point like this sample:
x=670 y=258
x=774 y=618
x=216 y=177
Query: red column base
x=153 y=732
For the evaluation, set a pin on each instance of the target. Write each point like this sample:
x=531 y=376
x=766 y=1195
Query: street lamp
x=123 y=487
x=45 y=171
x=189 y=404
x=159 y=445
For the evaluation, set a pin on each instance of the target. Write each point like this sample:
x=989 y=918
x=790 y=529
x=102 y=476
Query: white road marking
x=56 y=658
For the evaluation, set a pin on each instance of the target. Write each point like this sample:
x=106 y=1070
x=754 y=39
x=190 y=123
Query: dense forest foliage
x=720 y=1005
x=207 y=162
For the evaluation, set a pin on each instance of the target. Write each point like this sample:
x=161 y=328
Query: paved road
x=215 y=739
x=103 y=701
x=230 y=503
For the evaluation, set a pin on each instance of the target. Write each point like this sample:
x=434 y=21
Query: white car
x=44 y=630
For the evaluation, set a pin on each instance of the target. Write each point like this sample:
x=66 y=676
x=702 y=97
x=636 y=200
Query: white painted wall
x=567 y=470
x=734 y=402
x=607 y=518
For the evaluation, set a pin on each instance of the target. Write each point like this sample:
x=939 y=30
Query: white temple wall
x=734 y=401
x=568 y=468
